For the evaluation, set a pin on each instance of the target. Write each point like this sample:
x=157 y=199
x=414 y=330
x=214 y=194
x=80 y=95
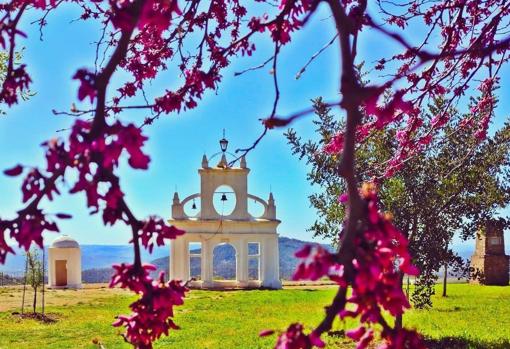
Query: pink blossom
x=379 y=248
x=41 y=4
x=130 y=138
x=152 y=312
x=344 y=198
x=335 y=145
x=4 y=247
x=87 y=84
x=293 y=338
x=403 y=338
x=15 y=171
x=317 y=262
x=155 y=14
x=155 y=231
x=265 y=333
x=29 y=230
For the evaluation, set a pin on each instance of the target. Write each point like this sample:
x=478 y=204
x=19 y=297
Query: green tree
x=4 y=59
x=452 y=187
x=34 y=274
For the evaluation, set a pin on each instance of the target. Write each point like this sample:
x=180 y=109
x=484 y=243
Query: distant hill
x=97 y=259
x=92 y=256
x=224 y=262
x=96 y=275
x=224 y=259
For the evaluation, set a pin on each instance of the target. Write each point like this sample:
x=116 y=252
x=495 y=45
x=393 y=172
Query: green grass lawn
x=471 y=317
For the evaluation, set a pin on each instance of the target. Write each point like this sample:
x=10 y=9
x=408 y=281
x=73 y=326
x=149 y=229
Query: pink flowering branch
x=357 y=220
x=88 y=145
x=146 y=36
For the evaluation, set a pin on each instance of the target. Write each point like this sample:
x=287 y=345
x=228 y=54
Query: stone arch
x=224 y=264
x=187 y=203
x=225 y=208
x=262 y=209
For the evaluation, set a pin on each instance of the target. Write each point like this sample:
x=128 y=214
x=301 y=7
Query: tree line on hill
x=223 y=262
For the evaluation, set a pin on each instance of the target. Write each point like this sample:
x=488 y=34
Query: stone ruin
x=489 y=263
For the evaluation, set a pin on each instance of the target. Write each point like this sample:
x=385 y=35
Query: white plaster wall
x=269 y=259
x=212 y=178
x=228 y=226
x=73 y=258
x=238 y=229
x=271 y=262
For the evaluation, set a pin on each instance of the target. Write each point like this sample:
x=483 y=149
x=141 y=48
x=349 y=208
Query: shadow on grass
x=463 y=343
x=450 y=310
x=44 y=318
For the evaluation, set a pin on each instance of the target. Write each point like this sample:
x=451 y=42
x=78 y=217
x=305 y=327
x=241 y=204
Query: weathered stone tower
x=489 y=260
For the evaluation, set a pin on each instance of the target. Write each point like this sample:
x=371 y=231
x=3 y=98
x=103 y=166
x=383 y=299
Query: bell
x=223 y=197
x=194 y=206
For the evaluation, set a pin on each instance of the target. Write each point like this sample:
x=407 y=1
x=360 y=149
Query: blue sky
x=177 y=142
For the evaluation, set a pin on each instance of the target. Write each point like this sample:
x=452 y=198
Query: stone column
x=242 y=259
x=171 y=270
x=271 y=277
x=186 y=265
x=179 y=259
x=207 y=263
x=262 y=259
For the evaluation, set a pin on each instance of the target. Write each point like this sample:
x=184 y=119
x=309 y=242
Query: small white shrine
x=254 y=239
x=64 y=263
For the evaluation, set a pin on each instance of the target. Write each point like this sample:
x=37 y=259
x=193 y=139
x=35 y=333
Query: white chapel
x=254 y=239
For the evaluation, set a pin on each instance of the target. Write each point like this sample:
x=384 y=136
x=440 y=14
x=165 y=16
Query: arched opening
x=255 y=208
x=195 y=260
x=192 y=207
x=224 y=262
x=253 y=261
x=224 y=200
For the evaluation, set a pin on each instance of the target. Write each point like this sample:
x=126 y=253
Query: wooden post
x=24 y=285
x=43 y=273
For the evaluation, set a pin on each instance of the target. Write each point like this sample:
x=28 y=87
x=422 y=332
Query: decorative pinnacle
x=176 y=198
x=205 y=162
x=270 y=201
x=223 y=162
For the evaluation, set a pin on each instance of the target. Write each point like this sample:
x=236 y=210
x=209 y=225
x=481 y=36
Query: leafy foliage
x=4 y=60
x=454 y=186
x=147 y=37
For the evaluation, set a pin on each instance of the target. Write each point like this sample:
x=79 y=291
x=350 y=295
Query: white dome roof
x=65 y=242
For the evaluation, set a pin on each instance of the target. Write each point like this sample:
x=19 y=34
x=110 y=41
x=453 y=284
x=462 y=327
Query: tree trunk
x=24 y=287
x=35 y=298
x=399 y=318
x=445 y=278
x=42 y=272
